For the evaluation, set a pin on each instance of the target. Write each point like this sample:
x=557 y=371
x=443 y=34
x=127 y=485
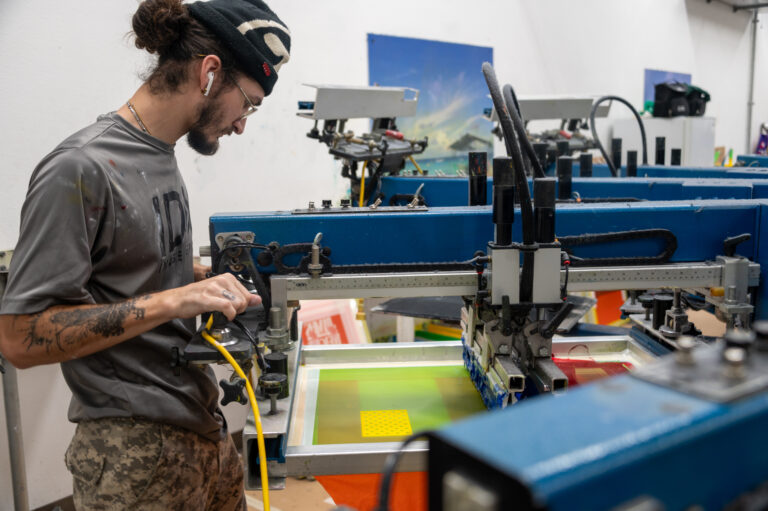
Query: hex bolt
x=684 y=354
x=734 y=359
x=311 y=205
x=543 y=351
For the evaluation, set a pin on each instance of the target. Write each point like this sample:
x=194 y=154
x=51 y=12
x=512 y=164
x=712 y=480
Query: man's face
x=222 y=115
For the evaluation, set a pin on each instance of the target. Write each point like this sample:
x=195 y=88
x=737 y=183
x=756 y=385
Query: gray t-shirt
x=106 y=218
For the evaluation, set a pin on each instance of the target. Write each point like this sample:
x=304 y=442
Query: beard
x=197 y=138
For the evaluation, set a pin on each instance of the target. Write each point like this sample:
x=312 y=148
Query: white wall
x=63 y=63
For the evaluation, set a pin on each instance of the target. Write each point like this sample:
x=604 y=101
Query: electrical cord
x=389 y=471
x=259 y=359
x=592 y=113
x=517 y=120
x=254 y=406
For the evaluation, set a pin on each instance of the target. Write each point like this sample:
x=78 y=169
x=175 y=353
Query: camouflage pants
x=120 y=464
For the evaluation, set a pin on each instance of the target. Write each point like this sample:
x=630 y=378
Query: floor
x=299 y=495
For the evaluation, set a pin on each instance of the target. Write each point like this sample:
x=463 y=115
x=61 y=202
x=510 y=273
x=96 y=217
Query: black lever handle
x=729 y=244
x=552 y=324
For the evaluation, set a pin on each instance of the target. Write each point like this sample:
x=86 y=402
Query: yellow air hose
x=410 y=157
x=362 y=184
x=254 y=406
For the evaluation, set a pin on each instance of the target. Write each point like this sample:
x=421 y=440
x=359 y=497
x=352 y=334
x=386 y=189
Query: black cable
x=259 y=360
x=526 y=207
x=564 y=288
x=592 y=113
x=258 y=282
x=568 y=242
x=514 y=109
x=216 y=263
x=389 y=471
x=513 y=151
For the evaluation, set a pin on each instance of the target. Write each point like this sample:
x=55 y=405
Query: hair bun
x=159 y=24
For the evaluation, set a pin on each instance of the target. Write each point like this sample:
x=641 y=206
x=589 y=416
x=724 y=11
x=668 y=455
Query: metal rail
x=464 y=283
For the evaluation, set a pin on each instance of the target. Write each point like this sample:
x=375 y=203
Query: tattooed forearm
x=32 y=338
x=67 y=327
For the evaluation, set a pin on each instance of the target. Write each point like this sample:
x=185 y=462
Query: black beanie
x=259 y=41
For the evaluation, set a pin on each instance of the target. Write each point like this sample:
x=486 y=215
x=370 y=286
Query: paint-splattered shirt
x=106 y=218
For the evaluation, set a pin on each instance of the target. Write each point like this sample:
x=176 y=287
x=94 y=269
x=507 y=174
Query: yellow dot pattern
x=385 y=423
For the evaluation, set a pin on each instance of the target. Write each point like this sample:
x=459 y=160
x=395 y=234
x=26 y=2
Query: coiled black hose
x=526 y=208
x=592 y=113
x=517 y=120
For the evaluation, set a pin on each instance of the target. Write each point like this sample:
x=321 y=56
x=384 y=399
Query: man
x=102 y=279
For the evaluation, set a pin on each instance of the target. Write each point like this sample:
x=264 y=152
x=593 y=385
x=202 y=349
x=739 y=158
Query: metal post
x=751 y=101
x=13 y=414
x=15 y=444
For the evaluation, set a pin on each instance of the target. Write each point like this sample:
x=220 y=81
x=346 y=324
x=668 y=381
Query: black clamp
x=278 y=252
x=233 y=391
x=730 y=244
x=549 y=328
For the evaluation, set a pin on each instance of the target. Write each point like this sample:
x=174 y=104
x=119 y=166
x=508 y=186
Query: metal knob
x=646 y=301
x=271 y=384
x=326 y=203
x=684 y=354
x=734 y=359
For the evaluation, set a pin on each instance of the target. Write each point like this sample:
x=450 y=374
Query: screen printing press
x=344 y=409
x=679 y=431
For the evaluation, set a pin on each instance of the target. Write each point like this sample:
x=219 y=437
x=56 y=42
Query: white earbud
x=210 y=82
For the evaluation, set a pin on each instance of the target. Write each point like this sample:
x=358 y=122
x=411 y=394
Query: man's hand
x=201 y=271
x=221 y=293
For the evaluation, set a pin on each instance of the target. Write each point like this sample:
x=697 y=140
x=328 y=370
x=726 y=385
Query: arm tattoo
x=67 y=327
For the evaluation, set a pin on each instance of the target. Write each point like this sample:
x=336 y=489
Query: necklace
x=136 y=116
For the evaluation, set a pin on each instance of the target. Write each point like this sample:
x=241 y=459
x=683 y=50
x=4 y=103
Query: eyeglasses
x=251 y=109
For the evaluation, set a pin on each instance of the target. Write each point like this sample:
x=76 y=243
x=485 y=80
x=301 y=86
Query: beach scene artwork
x=452 y=96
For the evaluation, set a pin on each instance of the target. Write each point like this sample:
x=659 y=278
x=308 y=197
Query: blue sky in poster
x=452 y=90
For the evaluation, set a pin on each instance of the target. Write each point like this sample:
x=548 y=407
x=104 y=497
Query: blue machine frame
x=454 y=234
x=604 y=445
x=656 y=183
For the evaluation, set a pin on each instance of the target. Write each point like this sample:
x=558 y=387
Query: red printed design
x=267 y=71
